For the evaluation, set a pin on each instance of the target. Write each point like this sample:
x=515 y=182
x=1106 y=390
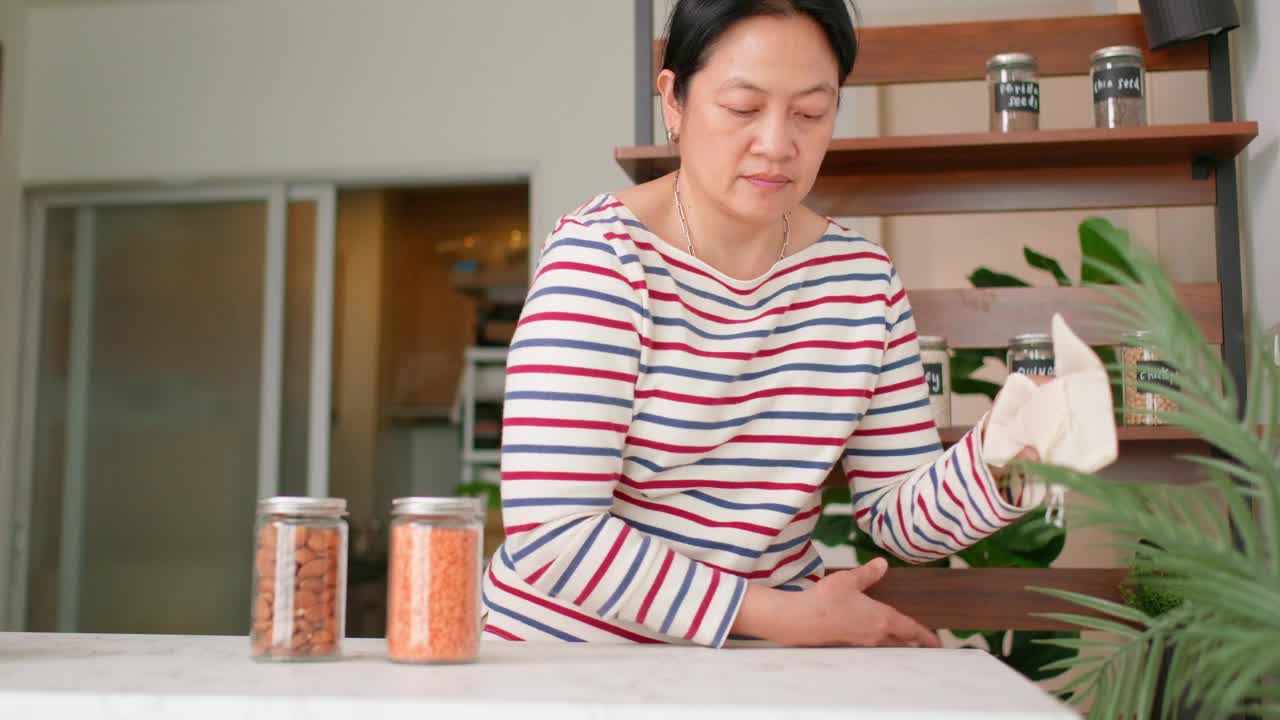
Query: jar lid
x=1031 y=339
x=309 y=506
x=932 y=342
x=1116 y=51
x=473 y=506
x=1013 y=59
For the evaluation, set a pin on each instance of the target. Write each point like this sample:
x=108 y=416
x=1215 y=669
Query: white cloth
x=1069 y=420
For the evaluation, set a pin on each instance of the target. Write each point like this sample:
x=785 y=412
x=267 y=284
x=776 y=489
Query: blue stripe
x=720 y=502
x=945 y=547
x=593 y=294
x=902 y=547
x=577 y=559
x=626 y=580
x=899 y=408
x=506 y=558
x=684 y=590
x=813 y=565
x=524 y=552
x=901 y=319
x=554 y=501
x=577 y=242
x=681 y=322
x=738 y=422
x=834 y=322
x=687 y=540
x=892 y=452
x=604 y=200
x=964 y=484
x=731 y=462
x=562 y=450
x=789 y=367
x=937 y=504
x=733 y=603
x=576 y=345
x=883 y=490
x=788 y=544
x=568 y=397
x=900 y=363
x=559 y=634
x=789 y=588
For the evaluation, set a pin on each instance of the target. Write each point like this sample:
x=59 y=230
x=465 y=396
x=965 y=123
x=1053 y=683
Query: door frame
x=276 y=197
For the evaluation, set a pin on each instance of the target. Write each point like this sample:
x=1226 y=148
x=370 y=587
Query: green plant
x=1210 y=550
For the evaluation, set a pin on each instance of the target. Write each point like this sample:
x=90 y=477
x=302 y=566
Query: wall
x=382 y=88
x=1257 y=56
x=13 y=38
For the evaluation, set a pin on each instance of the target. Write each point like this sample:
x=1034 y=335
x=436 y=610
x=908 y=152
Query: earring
x=672 y=137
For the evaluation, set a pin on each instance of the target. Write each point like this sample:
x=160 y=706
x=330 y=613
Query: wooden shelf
x=1162 y=165
x=989 y=317
x=945 y=52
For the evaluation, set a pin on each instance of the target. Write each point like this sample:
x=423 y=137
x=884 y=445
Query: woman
x=697 y=352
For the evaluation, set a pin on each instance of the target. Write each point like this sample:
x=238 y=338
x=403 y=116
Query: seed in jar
x=312 y=584
x=443 y=625
x=318 y=541
x=299 y=536
x=303 y=555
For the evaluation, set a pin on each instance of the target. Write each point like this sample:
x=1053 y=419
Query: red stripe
x=604 y=566
x=893 y=301
x=538 y=573
x=563 y=423
x=899 y=430
x=602 y=208
x=900 y=386
x=906 y=530
x=573 y=614
x=570 y=370
x=964 y=510
x=657 y=583
x=773 y=392
x=813 y=577
x=502 y=633
x=517 y=529
x=924 y=508
x=702 y=609
x=873 y=474
x=977 y=479
x=576 y=317
x=780 y=310
x=865 y=255
x=719 y=484
x=558 y=476
x=770 y=439
x=767 y=352
x=694 y=518
x=901 y=341
x=581 y=267
x=806 y=514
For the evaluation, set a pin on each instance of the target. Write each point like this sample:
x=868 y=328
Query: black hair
x=696 y=25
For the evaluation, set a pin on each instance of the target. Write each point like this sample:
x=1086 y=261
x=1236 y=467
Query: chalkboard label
x=1117 y=82
x=1018 y=96
x=1041 y=367
x=1155 y=372
x=933 y=376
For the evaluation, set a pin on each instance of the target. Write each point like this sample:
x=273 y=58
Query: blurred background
x=255 y=247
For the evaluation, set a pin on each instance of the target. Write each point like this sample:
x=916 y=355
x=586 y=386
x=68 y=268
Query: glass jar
x=299 y=579
x=1031 y=354
x=937 y=375
x=433 y=594
x=1144 y=370
x=1013 y=88
x=1118 y=77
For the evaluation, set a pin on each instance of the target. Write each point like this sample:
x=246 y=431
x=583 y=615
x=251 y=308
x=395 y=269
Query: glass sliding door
x=159 y=403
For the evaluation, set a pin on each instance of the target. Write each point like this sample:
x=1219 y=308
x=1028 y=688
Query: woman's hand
x=835 y=611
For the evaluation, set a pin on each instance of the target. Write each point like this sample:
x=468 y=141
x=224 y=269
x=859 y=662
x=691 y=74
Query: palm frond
x=1214 y=544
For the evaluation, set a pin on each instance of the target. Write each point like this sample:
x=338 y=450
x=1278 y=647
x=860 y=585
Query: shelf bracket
x=1202 y=167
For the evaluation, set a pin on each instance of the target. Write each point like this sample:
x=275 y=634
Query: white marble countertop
x=192 y=678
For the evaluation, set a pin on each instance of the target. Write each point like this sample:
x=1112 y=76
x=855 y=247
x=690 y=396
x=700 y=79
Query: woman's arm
x=913 y=499
x=571 y=375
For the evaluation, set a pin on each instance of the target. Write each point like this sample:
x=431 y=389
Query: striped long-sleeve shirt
x=667 y=430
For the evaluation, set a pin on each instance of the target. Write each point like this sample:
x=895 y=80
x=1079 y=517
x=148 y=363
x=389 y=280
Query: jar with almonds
x=299 y=579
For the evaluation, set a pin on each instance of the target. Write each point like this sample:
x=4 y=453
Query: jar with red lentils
x=433 y=598
x=299 y=579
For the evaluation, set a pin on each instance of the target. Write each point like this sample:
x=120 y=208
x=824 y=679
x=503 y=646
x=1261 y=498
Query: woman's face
x=758 y=117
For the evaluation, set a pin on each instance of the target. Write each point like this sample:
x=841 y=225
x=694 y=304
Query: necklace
x=688 y=238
